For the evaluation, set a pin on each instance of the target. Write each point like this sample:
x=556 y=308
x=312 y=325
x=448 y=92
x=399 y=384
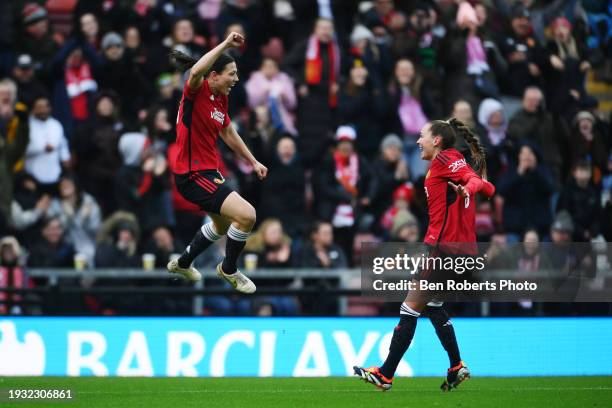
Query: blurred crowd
x=332 y=96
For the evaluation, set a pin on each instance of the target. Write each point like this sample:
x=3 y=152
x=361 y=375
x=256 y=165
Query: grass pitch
x=93 y=392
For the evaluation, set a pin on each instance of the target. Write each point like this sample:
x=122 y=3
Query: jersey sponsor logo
x=456 y=165
x=218 y=116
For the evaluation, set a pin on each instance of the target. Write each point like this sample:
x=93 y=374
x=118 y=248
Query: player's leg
x=242 y=216
x=403 y=333
x=458 y=372
x=205 y=237
x=444 y=329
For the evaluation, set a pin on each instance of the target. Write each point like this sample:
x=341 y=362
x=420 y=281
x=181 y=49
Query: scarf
x=314 y=65
x=347 y=174
x=476 y=57
x=411 y=114
x=78 y=82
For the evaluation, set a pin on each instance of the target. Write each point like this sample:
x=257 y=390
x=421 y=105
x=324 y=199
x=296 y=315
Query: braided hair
x=448 y=131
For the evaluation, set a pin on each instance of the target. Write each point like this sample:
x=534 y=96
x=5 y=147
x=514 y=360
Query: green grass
x=316 y=392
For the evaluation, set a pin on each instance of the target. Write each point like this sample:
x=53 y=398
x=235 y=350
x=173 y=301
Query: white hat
x=346 y=133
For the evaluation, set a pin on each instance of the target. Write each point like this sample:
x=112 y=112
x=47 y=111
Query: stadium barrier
x=301 y=347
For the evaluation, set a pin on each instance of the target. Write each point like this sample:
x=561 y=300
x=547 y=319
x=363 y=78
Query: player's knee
x=247 y=218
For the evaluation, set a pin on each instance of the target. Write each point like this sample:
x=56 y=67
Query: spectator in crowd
x=28 y=208
x=47 y=154
x=117 y=242
x=169 y=91
x=120 y=72
x=163 y=245
x=567 y=62
x=402 y=196
x=362 y=103
x=90 y=30
x=14 y=138
x=315 y=66
x=273 y=88
x=580 y=198
x=36 y=38
x=160 y=131
x=527 y=189
x=344 y=187
x=28 y=84
x=523 y=53
x=271 y=245
x=80 y=216
x=320 y=251
x=97 y=149
x=587 y=142
x=376 y=56
x=391 y=170
x=405 y=228
x=533 y=123
x=142 y=184
x=53 y=250
x=408 y=107
x=286 y=179
x=493 y=125
x=462 y=110
x=183 y=37
x=469 y=70
x=73 y=74
x=12 y=275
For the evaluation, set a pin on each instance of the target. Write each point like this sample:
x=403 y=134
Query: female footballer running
x=202 y=116
x=450 y=186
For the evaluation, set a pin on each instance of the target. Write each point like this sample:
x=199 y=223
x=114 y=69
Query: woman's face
x=496 y=119
x=89 y=25
x=463 y=111
x=105 y=107
x=273 y=235
x=359 y=75
x=132 y=38
x=161 y=120
x=183 y=32
x=427 y=143
x=404 y=72
x=226 y=79
x=269 y=68
x=66 y=188
x=562 y=32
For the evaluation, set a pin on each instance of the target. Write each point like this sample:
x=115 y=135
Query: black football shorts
x=206 y=188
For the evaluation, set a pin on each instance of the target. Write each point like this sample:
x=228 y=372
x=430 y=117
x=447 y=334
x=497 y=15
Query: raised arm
x=200 y=68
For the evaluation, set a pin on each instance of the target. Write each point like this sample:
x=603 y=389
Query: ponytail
x=478 y=152
x=183 y=61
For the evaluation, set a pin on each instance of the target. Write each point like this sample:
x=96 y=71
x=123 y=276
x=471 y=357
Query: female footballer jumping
x=450 y=186
x=202 y=116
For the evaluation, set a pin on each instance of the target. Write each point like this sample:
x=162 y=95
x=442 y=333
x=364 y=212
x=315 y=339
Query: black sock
x=402 y=337
x=446 y=333
x=236 y=240
x=202 y=240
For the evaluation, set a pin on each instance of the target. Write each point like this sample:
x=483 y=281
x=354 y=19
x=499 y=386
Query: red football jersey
x=452 y=218
x=201 y=117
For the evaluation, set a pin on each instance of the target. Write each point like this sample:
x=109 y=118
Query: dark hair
x=448 y=131
x=185 y=62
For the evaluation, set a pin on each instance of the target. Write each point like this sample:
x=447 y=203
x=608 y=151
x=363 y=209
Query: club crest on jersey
x=218 y=116
x=218 y=181
x=456 y=165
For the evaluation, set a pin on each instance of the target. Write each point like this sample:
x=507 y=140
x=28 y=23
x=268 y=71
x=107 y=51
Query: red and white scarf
x=314 y=65
x=347 y=174
x=79 y=81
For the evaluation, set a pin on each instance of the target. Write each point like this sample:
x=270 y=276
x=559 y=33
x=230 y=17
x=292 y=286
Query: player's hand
x=260 y=170
x=459 y=189
x=234 y=40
